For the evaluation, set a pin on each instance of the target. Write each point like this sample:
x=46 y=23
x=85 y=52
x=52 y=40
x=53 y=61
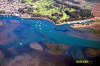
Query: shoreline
x=78 y=21
x=84 y=25
x=40 y=18
x=68 y=22
x=67 y=4
x=32 y=17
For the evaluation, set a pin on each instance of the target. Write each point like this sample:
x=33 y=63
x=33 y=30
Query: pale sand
x=36 y=46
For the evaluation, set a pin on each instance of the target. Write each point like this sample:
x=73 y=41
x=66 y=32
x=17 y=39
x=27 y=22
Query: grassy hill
x=58 y=10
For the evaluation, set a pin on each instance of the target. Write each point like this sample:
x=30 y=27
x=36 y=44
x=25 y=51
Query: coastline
x=40 y=18
x=31 y=17
x=85 y=25
x=77 y=21
x=68 y=22
x=66 y=4
x=48 y=19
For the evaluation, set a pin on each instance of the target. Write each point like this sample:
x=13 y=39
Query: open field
x=45 y=7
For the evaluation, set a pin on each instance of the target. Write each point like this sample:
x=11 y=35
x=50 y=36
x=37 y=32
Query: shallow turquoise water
x=39 y=30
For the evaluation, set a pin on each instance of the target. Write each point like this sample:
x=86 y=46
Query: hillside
x=57 y=10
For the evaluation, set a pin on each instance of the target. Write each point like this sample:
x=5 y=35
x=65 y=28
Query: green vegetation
x=45 y=7
x=57 y=11
x=65 y=16
x=87 y=4
x=27 y=0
